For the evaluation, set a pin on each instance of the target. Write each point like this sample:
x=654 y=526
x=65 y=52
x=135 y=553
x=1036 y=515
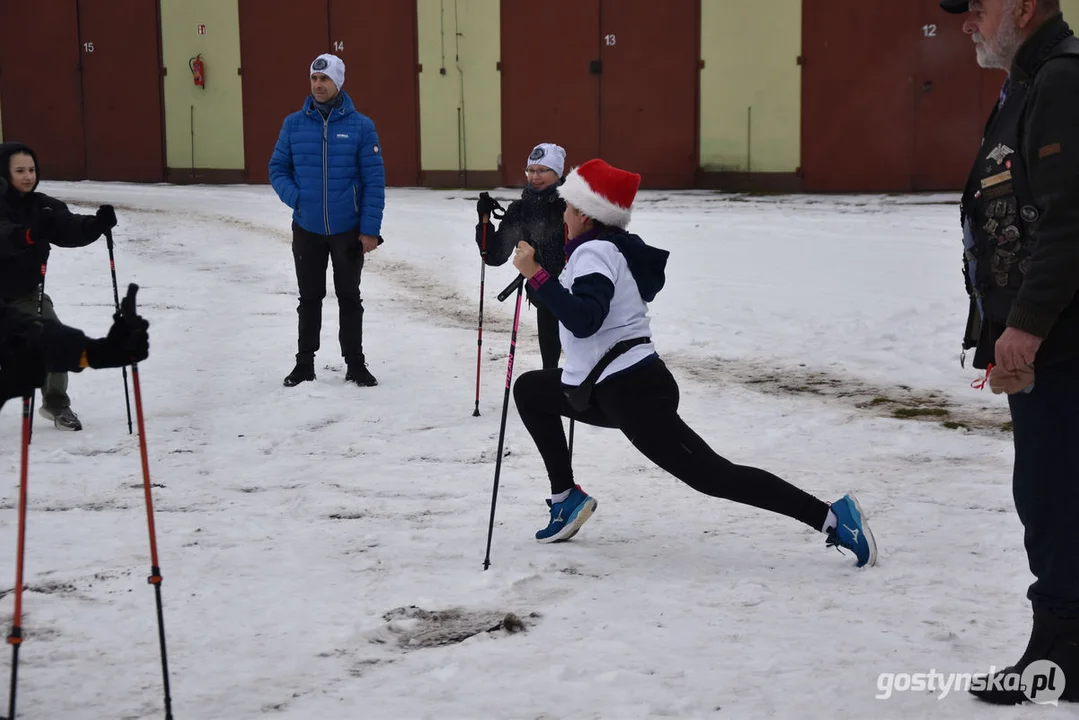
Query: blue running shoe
x=568 y=516
x=852 y=532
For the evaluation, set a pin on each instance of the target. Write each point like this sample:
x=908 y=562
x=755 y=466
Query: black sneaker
x=360 y=375
x=301 y=373
x=62 y=418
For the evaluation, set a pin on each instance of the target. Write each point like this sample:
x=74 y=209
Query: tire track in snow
x=826 y=385
x=424 y=294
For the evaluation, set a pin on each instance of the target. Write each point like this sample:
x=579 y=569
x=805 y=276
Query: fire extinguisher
x=198 y=70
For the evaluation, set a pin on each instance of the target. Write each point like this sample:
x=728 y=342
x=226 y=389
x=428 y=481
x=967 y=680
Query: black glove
x=486 y=205
x=128 y=340
x=106 y=217
x=42 y=227
x=22 y=362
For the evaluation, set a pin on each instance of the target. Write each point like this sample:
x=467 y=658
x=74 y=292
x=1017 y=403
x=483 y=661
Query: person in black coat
x=32 y=346
x=30 y=223
x=1019 y=218
x=536 y=218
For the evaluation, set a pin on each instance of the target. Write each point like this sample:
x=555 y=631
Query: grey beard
x=999 y=51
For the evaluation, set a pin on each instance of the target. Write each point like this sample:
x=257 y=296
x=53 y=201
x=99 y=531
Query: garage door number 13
x=610 y=40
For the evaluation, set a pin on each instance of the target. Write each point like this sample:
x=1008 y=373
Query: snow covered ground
x=322 y=546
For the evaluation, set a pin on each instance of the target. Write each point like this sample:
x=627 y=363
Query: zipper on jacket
x=326 y=172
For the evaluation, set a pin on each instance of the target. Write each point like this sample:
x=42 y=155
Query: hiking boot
x=360 y=375
x=852 y=532
x=303 y=372
x=1052 y=639
x=62 y=418
x=568 y=516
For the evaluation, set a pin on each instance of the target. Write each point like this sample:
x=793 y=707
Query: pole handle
x=511 y=288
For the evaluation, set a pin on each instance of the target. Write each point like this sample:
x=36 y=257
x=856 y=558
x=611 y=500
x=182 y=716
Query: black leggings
x=642 y=402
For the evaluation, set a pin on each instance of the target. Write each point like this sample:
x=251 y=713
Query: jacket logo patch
x=996 y=179
x=1046 y=151
x=342 y=135
x=376 y=149
x=1000 y=152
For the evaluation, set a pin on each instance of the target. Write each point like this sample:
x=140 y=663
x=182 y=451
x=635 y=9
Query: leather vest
x=999 y=214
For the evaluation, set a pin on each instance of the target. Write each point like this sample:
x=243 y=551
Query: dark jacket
x=1021 y=205
x=535 y=218
x=30 y=347
x=20 y=262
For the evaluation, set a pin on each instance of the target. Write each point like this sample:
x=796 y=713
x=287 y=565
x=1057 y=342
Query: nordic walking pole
x=479 y=336
x=127 y=310
x=519 y=282
x=571 y=439
x=40 y=312
x=116 y=300
x=15 y=639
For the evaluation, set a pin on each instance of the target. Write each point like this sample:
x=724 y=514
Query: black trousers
x=642 y=402
x=312 y=253
x=1045 y=484
x=549 y=342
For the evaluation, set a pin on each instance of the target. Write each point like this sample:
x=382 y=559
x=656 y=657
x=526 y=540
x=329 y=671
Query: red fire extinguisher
x=198 y=70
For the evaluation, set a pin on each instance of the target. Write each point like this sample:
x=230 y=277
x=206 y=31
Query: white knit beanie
x=331 y=66
x=548 y=155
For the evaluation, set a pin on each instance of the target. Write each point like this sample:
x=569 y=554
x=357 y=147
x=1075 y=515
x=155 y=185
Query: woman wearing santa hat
x=613 y=377
x=535 y=218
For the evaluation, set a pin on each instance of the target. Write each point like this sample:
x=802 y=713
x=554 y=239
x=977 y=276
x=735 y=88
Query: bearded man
x=1020 y=220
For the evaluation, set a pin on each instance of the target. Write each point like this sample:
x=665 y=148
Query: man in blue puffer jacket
x=327 y=166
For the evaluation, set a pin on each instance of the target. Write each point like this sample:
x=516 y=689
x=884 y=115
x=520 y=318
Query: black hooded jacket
x=21 y=261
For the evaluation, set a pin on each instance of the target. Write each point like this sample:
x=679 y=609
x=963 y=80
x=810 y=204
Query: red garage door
x=122 y=94
x=377 y=41
x=547 y=95
x=900 y=108
x=278 y=41
x=648 y=110
x=622 y=85
x=953 y=98
x=40 y=83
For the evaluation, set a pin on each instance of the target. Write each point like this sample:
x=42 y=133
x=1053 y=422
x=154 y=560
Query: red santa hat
x=602 y=192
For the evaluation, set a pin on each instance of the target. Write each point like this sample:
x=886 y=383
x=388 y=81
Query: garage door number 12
x=929 y=30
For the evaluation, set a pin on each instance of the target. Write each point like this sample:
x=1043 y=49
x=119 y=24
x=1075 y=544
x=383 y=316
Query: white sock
x=561 y=497
x=830 y=522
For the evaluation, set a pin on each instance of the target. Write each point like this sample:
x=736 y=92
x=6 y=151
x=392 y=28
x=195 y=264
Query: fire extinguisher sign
x=202 y=29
